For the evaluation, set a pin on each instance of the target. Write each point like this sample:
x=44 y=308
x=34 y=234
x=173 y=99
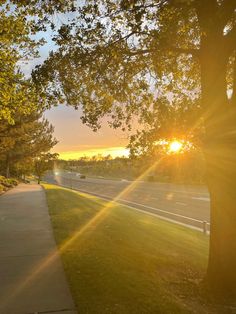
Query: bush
x=13 y=182
x=2 y=179
x=7 y=183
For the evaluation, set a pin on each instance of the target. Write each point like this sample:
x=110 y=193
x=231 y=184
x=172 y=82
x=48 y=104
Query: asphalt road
x=185 y=204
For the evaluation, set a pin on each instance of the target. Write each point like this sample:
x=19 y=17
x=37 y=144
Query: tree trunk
x=7 y=167
x=221 y=173
x=220 y=153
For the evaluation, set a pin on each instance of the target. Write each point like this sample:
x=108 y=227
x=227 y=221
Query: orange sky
x=76 y=139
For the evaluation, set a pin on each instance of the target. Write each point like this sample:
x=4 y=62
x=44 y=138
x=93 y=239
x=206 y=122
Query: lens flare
x=175 y=146
x=86 y=229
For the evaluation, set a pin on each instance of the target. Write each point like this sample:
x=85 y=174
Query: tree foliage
x=187 y=168
x=29 y=137
x=118 y=63
x=24 y=134
x=43 y=163
x=19 y=23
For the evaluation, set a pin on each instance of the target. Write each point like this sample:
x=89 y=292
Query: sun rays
x=78 y=234
x=175 y=146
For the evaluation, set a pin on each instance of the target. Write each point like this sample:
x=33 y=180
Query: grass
x=125 y=261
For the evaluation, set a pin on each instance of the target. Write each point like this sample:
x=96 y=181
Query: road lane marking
x=141 y=205
x=206 y=199
x=119 y=201
x=169 y=196
x=156 y=188
x=158 y=209
x=122 y=202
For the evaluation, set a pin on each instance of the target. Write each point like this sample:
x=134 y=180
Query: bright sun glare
x=175 y=146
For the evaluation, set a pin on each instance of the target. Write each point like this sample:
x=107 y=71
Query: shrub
x=12 y=181
x=7 y=183
x=2 y=179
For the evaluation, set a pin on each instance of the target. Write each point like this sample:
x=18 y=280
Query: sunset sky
x=76 y=139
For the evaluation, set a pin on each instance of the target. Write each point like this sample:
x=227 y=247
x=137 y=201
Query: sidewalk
x=32 y=279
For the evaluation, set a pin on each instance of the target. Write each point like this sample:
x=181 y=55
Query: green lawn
x=125 y=261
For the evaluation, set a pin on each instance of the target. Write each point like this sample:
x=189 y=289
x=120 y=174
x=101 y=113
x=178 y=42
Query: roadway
x=182 y=203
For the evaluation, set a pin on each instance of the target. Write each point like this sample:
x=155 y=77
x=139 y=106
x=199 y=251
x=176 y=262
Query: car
x=82 y=176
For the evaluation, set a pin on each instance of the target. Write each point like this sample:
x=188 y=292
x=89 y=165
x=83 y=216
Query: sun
x=175 y=146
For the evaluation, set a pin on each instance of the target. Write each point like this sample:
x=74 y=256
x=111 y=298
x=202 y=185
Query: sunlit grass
x=77 y=234
x=129 y=262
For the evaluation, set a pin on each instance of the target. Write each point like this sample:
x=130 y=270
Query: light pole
x=71 y=186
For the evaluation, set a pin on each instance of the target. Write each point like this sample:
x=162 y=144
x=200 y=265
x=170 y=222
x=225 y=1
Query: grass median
x=118 y=260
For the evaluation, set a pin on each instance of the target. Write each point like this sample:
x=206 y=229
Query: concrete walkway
x=32 y=278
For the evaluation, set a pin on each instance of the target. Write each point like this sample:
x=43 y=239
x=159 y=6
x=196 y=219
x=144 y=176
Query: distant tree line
x=188 y=167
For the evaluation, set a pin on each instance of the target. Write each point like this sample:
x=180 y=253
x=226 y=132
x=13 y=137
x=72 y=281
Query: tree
x=19 y=22
x=125 y=58
x=43 y=163
x=22 y=134
x=27 y=138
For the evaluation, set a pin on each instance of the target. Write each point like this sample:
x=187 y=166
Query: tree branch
x=227 y=9
x=230 y=40
x=233 y=98
x=194 y=52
